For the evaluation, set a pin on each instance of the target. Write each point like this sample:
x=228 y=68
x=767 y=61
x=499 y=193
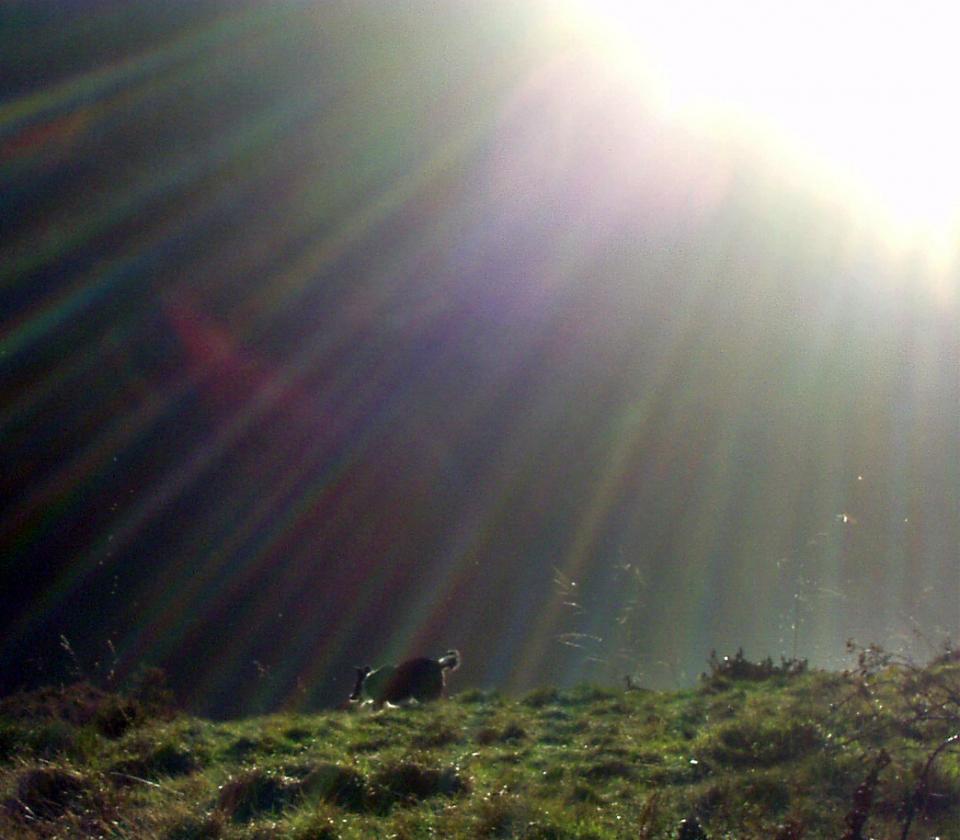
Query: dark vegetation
x=756 y=750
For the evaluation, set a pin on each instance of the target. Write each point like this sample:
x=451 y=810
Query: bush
x=727 y=669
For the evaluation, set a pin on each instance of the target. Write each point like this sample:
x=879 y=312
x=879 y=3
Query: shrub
x=890 y=695
x=727 y=669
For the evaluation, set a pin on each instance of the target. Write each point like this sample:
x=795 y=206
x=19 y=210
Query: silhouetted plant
x=915 y=710
x=724 y=669
x=920 y=798
x=856 y=818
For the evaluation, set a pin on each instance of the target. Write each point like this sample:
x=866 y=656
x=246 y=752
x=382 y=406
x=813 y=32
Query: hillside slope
x=753 y=751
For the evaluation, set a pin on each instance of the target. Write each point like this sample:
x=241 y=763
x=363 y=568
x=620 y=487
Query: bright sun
x=860 y=96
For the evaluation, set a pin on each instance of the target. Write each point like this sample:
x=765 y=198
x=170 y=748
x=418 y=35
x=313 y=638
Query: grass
x=771 y=754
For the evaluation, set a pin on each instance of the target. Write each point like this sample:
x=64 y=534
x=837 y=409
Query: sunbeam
x=582 y=337
x=851 y=101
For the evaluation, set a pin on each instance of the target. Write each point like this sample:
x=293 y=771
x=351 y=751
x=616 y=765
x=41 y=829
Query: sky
x=583 y=338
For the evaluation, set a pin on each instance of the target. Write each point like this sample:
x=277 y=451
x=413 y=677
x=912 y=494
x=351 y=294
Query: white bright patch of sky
x=859 y=96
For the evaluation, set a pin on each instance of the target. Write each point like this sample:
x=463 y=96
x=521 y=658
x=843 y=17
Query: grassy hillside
x=754 y=751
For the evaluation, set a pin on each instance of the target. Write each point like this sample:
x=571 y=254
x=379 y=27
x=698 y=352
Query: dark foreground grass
x=772 y=755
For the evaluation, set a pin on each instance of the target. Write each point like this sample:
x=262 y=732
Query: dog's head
x=362 y=674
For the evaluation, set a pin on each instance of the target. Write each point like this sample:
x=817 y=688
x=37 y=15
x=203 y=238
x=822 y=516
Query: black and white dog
x=419 y=679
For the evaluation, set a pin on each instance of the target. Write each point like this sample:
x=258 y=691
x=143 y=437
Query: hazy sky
x=584 y=340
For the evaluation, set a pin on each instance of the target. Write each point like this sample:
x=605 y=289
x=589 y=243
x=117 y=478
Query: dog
x=418 y=680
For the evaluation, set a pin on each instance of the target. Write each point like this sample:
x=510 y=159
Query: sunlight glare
x=858 y=96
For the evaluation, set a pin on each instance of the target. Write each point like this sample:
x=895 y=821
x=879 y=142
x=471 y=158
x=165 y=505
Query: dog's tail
x=451 y=660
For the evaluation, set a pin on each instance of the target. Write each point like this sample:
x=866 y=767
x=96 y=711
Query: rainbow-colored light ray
x=333 y=333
